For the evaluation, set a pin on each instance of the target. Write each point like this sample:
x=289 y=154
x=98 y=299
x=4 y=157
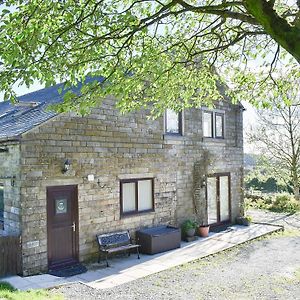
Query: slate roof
x=31 y=110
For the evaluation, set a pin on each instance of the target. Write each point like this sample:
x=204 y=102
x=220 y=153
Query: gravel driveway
x=268 y=268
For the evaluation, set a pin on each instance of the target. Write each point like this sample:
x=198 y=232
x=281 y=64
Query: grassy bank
x=9 y=293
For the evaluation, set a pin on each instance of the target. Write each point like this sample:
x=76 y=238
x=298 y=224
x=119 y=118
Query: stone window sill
x=169 y=137
x=213 y=140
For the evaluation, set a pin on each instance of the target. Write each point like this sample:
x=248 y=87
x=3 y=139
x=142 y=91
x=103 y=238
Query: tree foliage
x=170 y=53
x=277 y=135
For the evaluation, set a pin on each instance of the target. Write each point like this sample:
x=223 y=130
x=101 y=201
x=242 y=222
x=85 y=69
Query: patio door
x=218 y=198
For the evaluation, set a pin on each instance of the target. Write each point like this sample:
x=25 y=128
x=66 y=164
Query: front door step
x=68 y=271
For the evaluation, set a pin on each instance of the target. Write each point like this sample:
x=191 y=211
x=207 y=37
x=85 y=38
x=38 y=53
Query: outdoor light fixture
x=203 y=181
x=66 y=166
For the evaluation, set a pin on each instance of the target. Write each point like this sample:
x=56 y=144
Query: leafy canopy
x=276 y=133
x=175 y=54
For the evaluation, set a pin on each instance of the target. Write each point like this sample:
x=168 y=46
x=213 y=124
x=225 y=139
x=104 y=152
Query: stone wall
x=111 y=147
x=10 y=178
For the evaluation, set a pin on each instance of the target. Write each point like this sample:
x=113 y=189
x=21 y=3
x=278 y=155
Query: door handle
x=74 y=226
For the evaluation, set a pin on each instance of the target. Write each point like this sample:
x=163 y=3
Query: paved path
x=289 y=221
x=124 y=270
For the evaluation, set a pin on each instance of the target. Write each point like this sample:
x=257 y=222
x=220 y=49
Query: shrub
x=5 y=286
x=279 y=202
x=188 y=224
x=285 y=203
x=260 y=202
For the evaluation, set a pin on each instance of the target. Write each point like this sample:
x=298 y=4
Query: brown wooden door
x=218 y=198
x=62 y=221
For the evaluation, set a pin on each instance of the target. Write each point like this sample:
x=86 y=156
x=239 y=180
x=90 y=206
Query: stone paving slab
x=128 y=269
x=242 y=234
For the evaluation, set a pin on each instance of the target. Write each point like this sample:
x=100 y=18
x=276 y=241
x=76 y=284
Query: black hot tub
x=158 y=239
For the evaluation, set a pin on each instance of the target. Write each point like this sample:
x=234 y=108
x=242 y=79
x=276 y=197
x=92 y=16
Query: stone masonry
x=10 y=179
x=111 y=147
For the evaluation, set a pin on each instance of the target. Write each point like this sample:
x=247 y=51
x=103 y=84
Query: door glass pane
x=145 y=194
x=212 y=200
x=207 y=124
x=219 y=125
x=224 y=198
x=60 y=206
x=172 y=121
x=128 y=196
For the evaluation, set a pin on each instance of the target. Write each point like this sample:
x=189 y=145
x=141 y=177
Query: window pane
x=207 y=124
x=172 y=121
x=128 y=196
x=1 y=201
x=145 y=194
x=212 y=200
x=219 y=125
x=60 y=206
x=224 y=198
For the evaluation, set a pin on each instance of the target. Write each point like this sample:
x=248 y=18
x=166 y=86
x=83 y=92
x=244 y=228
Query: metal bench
x=115 y=242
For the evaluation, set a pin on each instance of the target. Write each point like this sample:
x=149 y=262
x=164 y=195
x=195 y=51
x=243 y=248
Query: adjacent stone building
x=67 y=178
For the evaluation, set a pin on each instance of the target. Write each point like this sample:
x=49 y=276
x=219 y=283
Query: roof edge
x=10 y=139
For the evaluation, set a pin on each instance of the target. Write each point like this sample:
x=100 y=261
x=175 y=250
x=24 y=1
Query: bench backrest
x=110 y=240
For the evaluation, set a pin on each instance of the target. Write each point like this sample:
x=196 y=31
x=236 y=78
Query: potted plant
x=188 y=228
x=203 y=229
x=246 y=220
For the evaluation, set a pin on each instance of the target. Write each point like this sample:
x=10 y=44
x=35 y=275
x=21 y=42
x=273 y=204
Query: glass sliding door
x=212 y=211
x=224 y=198
x=218 y=198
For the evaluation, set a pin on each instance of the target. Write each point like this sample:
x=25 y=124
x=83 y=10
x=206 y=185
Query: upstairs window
x=208 y=124
x=213 y=124
x=173 y=122
x=137 y=195
x=219 y=125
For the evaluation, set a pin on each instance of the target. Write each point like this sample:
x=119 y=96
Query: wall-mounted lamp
x=12 y=181
x=203 y=181
x=66 y=167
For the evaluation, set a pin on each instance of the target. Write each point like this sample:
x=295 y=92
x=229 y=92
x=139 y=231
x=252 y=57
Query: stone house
x=66 y=178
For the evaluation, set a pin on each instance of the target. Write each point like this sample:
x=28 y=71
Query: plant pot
x=243 y=221
x=203 y=231
x=246 y=222
x=239 y=220
x=190 y=232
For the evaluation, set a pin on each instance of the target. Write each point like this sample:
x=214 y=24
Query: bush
x=285 y=203
x=5 y=286
x=278 y=202
x=187 y=225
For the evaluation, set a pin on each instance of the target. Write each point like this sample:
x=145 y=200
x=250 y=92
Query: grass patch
x=10 y=293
